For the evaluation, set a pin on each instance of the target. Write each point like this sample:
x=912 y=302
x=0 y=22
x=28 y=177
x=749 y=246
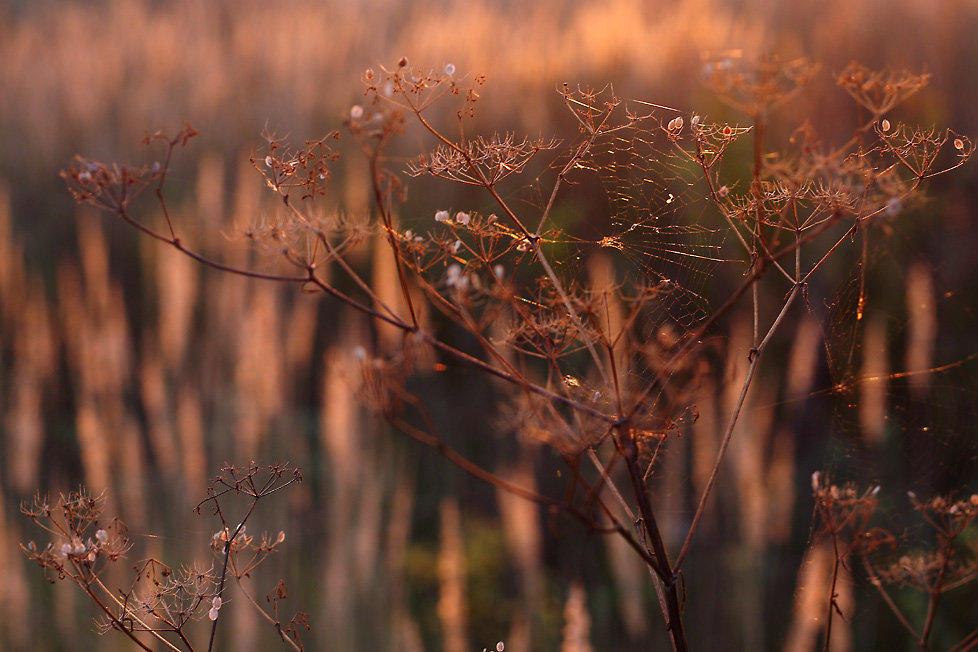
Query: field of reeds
x=134 y=371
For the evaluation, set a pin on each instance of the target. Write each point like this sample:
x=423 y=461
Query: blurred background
x=131 y=369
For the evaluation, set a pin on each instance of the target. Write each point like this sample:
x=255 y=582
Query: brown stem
x=875 y=581
x=470 y=467
x=835 y=578
x=380 y=197
x=967 y=643
x=264 y=614
x=728 y=433
x=224 y=566
x=674 y=618
x=935 y=591
x=119 y=625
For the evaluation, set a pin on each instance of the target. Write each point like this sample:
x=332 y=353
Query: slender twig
x=224 y=566
x=967 y=643
x=731 y=424
x=264 y=614
x=385 y=214
x=832 y=606
x=875 y=581
x=130 y=614
x=674 y=619
x=936 y=589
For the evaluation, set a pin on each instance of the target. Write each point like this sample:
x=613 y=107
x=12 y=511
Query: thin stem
x=875 y=581
x=967 y=643
x=277 y=624
x=936 y=590
x=224 y=566
x=582 y=149
x=385 y=214
x=835 y=578
x=674 y=619
x=606 y=480
x=179 y=246
x=756 y=312
x=479 y=472
x=728 y=433
x=118 y=624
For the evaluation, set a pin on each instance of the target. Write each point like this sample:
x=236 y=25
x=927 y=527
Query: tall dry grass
x=94 y=76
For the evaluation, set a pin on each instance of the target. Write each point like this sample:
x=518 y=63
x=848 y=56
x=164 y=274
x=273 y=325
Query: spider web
x=898 y=401
x=905 y=373
x=903 y=376
x=894 y=395
x=649 y=212
x=657 y=210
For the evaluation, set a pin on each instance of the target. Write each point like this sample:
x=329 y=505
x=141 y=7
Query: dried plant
x=600 y=368
x=844 y=515
x=162 y=601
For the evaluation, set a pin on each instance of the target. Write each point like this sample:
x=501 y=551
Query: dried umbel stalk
x=602 y=366
x=756 y=87
x=844 y=515
x=161 y=600
x=496 y=157
x=952 y=563
x=305 y=171
x=83 y=540
x=879 y=92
